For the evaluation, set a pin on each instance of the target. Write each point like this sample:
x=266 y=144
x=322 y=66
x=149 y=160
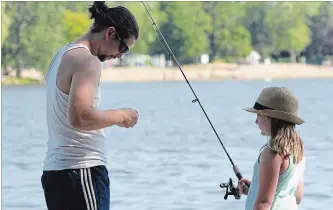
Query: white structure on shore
x=137 y=60
x=253 y=57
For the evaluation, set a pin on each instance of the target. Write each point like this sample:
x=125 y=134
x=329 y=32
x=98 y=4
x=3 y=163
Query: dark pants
x=77 y=189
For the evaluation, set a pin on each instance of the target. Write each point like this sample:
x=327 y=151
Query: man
x=74 y=173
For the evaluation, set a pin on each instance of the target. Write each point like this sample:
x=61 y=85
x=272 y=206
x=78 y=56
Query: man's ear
x=110 y=33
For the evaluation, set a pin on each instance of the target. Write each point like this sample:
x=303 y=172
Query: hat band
x=258 y=106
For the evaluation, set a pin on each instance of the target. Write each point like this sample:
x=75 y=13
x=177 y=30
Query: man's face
x=113 y=46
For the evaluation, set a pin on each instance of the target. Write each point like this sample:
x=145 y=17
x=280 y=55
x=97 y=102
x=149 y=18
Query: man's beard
x=102 y=58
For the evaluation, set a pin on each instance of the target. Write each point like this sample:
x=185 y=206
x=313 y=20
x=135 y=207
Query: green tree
x=321 y=27
x=184 y=32
x=5 y=23
x=34 y=36
x=43 y=38
x=13 y=46
x=287 y=22
x=147 y=32
x=228 y=38
x=76 y=24
x=255 y=22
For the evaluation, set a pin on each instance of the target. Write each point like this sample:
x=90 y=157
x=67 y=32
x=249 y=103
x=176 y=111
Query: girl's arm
x=299 y=192
x=269 y=171
x=300 y=186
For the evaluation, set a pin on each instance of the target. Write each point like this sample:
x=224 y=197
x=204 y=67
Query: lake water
x=171 y=160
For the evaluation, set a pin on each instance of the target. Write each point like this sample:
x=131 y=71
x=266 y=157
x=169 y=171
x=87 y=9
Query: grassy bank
x=20 y=81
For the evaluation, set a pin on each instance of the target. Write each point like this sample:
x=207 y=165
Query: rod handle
x=239 y=175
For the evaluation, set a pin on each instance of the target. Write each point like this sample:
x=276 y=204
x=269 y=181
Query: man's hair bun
x=98 y=10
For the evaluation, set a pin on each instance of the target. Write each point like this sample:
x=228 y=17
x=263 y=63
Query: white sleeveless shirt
x=68 y=147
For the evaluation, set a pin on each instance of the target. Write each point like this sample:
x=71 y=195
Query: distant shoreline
x=209 y=72
x=213 y=72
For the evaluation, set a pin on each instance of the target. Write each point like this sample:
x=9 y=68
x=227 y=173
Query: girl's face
x=264 y=124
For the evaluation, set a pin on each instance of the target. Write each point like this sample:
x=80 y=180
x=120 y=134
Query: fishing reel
x=231 y=190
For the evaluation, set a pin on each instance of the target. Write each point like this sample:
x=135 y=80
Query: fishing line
x=170 y=53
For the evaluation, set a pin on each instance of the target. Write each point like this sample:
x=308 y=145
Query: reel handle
x=231 y=190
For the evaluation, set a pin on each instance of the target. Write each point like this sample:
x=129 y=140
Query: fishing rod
x=228 y=185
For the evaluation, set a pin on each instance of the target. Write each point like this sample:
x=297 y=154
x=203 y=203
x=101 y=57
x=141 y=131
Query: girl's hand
x=243 y=189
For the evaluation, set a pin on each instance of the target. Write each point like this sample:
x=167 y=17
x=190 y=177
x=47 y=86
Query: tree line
x=228 y=31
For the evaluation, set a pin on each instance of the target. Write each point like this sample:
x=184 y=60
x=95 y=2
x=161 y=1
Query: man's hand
x=129 y=117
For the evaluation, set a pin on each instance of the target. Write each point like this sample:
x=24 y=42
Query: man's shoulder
x=80 y=59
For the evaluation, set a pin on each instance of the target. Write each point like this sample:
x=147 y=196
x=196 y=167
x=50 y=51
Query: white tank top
x=68 y=147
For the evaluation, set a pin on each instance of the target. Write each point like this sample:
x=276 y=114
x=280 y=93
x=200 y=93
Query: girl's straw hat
x=277 y=102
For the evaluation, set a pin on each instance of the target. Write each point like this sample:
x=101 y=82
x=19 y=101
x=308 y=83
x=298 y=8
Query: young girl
x=277 y=181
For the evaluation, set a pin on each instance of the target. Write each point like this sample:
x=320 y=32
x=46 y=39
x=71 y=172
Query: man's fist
x=128 y=117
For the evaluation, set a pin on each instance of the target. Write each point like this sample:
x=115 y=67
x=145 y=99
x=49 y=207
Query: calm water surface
x=171 y=160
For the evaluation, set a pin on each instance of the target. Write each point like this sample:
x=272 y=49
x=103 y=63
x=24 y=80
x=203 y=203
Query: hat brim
x=277 y=114
x=252 y=110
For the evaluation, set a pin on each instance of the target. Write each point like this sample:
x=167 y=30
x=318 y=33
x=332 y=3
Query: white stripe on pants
x=88 y=189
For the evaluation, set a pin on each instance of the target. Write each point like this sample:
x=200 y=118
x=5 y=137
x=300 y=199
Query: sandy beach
x=218 y=72
x=205 y=73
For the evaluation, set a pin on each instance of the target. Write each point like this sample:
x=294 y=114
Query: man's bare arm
x=81 y=113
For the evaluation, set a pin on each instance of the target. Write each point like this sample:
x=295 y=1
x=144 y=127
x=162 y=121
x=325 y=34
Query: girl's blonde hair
x=285 y=140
